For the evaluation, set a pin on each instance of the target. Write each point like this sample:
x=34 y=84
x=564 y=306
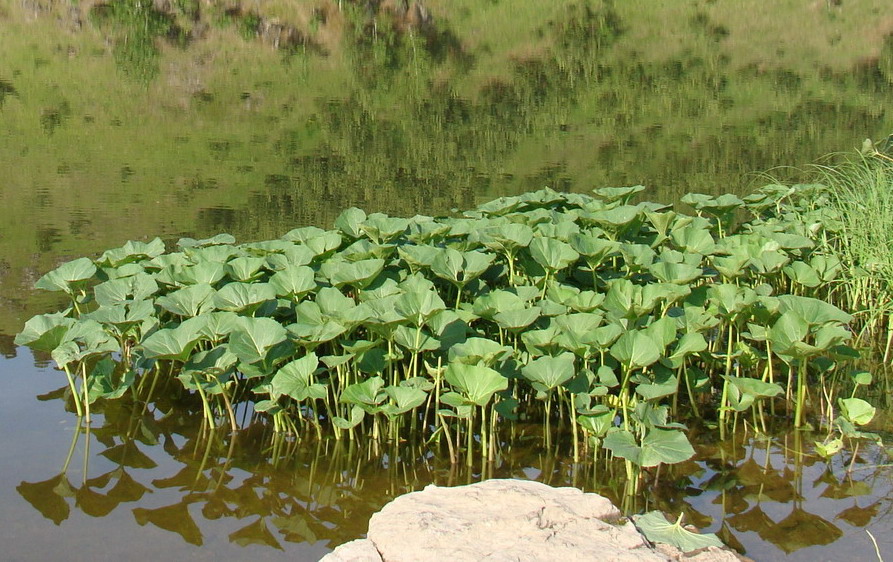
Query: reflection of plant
x=136 y=26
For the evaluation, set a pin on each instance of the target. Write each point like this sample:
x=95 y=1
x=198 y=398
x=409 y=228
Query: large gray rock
x=503 y=520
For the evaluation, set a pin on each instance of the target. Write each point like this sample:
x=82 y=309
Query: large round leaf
x=476 y=383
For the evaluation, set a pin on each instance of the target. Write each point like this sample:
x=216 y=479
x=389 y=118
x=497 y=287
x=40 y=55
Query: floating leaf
x=656 y=528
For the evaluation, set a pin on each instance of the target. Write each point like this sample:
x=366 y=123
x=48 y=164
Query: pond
x=124 y=121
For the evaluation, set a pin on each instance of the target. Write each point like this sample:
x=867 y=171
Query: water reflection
x=766 y=496
x=182 y=118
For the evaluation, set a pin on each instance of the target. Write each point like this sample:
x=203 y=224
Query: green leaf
x=693 y=239
x=814 y=311
x=679 y=273
x=550 y=372
x=85 y=339
x=552 y=254
x=171 y=343
x=253 y=339
x=418 y=257
x=103 y=382
x=132 y=251
x=68 y=277
x=829 y=448
x=189 y=301
x=597 y=423
x=665 y=446
x=368 y=394
x=383 y=229
x=803 y=274
x=615 y=217
x=245 y=268
x=358 y=274
x=202 y=273
x=621 y=194
x=476 y=383
x=243 y=297
x=44 y=332
x=517 y=318
x=636 y=349
x=293 y=281
x=476 y=351
x=356 y=416
x=656 y=528
x=119 y=291
x=350 y=222
x=622 y=443
x=418 y=306
x=856 y=410
x=211 y=369
x=295 y=379
x=688 y=344
x=405 y=399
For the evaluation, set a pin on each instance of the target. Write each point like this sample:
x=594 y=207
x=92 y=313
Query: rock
x=498 y=520
x=360 y=550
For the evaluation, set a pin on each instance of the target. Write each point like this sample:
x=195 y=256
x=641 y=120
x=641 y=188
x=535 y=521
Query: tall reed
x=859 y=192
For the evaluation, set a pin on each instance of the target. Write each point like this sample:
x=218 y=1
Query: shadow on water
x=156 y=466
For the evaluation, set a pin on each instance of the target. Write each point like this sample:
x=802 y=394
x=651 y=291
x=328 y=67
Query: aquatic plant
x=588 y=313
x=858 y=194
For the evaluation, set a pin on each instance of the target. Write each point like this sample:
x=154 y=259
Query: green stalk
x=574 y=430
x=691 y=394
x=485 y=442
x=492 y=452
x=74 y=392
x=801 y=395
x=548 y=435
x=469 y=441
x=86 y=395
x=205 y=406
x=725 y=384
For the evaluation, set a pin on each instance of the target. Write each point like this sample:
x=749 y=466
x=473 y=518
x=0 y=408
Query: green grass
x=860 y=191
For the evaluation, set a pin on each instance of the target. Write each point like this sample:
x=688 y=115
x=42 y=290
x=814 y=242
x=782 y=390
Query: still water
x=133 y=120
x=147 y=482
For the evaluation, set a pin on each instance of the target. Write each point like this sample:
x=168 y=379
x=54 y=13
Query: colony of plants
x=604 y=320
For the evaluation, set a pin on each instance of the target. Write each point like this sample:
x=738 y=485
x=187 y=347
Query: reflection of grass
x=136 y=25
x=520 y=99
